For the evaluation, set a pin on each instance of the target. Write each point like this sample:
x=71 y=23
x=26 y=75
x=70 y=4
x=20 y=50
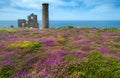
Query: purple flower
x=11 y=37
x=48 y=41
x=20 y=73
x=59 y=52
x=55 y=57
x=44 y=72
x=55 y=70
x=93 y=31
x=79 y=42
x=6 y=62
x=50 y=61
x=2 y=45
x=116 y=55
x=103 y=50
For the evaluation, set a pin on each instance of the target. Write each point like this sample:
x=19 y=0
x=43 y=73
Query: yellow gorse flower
x=60 y=38
x=26 y=44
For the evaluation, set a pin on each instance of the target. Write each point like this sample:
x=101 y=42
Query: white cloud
x=25 y=4
x=100 y=9
x=36 y=4
x=13 y=14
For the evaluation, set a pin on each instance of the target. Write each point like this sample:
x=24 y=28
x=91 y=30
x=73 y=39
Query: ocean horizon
x=77 y=23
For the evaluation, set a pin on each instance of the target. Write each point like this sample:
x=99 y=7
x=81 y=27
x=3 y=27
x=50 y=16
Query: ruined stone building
x=31 y=22
x=22 y=23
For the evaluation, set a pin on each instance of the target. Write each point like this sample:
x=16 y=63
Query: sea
x=57 y=24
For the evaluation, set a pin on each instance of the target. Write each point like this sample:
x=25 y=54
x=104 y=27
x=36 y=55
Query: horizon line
x=68 y=20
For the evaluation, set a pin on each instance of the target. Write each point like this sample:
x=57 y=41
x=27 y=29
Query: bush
x=67 y=27
x=97 y=66
x=6 y=71
x=30 y=44
x=71 y=57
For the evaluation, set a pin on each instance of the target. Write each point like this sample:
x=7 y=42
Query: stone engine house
x=31 y=22
x=22 y=23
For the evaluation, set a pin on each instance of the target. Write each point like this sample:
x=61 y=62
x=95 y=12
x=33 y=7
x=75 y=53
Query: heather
x=60 y=53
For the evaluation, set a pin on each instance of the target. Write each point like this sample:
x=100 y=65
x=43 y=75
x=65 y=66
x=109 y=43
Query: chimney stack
x=45 y=15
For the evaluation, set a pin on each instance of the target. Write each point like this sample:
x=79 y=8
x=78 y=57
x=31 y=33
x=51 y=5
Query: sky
x=61 y=9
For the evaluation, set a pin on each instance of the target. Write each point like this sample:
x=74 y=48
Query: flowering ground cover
x=60 y=53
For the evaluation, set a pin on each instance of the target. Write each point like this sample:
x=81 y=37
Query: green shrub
x=97 y=66
x=30 y=44
x=71 y=57
x=67 y=27
x=112 y=29
x=6 y=71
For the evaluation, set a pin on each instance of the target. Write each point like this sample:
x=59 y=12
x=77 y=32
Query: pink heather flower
x=44 y=72
x=93 y=31
x=78 y=53
x=48 y=41
x=11 y=38
x=6 y=62
x=50 y=61
x=54 y=57
x=20 y=73
x=59 y=52
x=55 y=70
x=79 y=42
x=103 y=50
x=116 y=55
x=2 y=45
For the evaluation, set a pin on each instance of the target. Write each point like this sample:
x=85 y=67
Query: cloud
x=61 y=9
x=101 y=8
x=25 y=4
x=36 y=4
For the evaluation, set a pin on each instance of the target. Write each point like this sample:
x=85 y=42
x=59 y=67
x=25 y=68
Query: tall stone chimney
x=45 y=15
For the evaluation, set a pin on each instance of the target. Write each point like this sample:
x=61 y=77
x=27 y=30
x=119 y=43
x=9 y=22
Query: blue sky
x=61 y=9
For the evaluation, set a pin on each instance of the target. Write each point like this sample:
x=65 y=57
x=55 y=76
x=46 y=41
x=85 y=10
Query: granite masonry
x=45 y=15
x=31 y=22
